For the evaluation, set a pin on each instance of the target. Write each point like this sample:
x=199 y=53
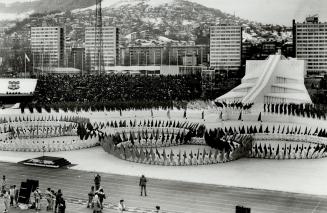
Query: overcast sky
x=271 y=11
x=265 y=11
x=11 y=1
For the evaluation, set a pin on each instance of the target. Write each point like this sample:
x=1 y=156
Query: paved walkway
x=172 y=196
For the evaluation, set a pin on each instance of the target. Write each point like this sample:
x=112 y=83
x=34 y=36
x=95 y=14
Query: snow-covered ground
x=130 y=3
x=14 y=16
x=299 y=176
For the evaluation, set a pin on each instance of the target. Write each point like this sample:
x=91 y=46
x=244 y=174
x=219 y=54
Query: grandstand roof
x=59 y=70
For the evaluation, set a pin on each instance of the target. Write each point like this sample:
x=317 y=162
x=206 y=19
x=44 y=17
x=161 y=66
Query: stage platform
x=47 y=161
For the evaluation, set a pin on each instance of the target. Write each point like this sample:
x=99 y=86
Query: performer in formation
x=142 y=184
x=289 y=151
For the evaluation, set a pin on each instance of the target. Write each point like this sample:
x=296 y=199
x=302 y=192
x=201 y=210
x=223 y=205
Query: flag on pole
x=27 y=58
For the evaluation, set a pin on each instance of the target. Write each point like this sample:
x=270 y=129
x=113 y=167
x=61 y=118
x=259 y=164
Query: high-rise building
x=76 y=59
x=110 y=54
x=48 y=46
x=310 y=44
x=177 y=53
x=225 y=46
x=165 y=55
x=268 y=48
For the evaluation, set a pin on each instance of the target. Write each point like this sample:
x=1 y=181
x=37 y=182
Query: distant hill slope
x=179 y=20
x=41 y=6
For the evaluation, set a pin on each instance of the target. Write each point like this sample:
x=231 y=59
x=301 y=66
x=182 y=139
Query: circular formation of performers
x=155 y=142
x=43 y=134
x=149 y=141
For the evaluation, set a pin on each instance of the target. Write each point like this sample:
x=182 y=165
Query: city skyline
x=265 y=11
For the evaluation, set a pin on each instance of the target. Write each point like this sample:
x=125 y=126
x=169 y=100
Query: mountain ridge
x=147 y=20
x=42 y=6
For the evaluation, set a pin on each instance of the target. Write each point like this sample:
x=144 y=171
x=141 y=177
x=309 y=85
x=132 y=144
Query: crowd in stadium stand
x=120 y=91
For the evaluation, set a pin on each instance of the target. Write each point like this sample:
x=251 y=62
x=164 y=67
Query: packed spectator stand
x=114 y=91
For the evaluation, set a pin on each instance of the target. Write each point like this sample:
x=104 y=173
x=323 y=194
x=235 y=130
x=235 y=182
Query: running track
x=172 y=196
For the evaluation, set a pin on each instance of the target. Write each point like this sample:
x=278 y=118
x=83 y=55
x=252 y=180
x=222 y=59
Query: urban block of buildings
x=48 y=46
x=225 y=46
x=110 y=48
x=310 y=44
x=227 y=50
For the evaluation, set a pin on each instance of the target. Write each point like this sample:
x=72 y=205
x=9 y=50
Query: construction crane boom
x=99 y=37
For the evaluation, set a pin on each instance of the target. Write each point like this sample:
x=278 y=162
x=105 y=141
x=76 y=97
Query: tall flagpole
x=201 y=55
x=138 y=58
x=169 y=57
x=43 y=58
x=130 y=58
x=74 y=59
x=25 y=63
x=185 y=55
x=146 y=57
x=82 y=61
x=33 y=63
x=42 y=63
x=160 y=56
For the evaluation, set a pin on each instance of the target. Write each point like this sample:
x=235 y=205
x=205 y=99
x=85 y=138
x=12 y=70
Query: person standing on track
x=91 y=195
x=16 y=195
x=58 y=196
x=3 y=183
x=12 y=195
x=53 y=199
x=37 y=197
x=6 y=200
x=142 y=184
x=97 y=182
x=96 y=203
x=121 y=206
x=48 y=196
x=61 y=205
x=101 y=196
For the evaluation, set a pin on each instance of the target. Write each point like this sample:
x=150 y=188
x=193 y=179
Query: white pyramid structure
x=274 y=80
